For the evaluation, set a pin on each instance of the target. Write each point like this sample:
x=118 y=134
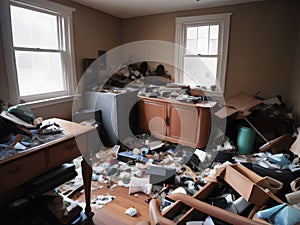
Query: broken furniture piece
x=246 y=183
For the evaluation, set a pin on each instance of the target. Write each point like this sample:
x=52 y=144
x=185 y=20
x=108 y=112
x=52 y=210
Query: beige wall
x=261 y=47
x=261 y=53
x=93 y=31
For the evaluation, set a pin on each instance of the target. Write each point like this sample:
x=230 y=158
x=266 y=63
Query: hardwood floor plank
x=114 y=212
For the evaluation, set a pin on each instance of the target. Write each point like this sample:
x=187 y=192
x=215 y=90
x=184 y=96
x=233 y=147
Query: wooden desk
x=20 y=168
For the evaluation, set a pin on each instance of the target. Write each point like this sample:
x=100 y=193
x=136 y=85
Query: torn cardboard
x=248 y=184
x=241 y=104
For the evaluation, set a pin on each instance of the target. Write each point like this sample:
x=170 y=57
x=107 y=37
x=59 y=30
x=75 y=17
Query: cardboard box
x=240 y=103
x=248 y=189
x=251 y=186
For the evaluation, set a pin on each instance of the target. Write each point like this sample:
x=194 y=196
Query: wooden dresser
x=20 y=168
x=177 y=122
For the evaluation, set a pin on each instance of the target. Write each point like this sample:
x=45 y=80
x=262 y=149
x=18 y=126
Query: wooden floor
x=114 y=212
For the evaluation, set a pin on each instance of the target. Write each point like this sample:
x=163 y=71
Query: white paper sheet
x=295 y=148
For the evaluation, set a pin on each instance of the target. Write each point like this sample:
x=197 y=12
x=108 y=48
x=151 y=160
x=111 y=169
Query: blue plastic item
x=280 y=215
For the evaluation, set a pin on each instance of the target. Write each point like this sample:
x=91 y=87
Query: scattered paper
x=131 y=211
x=295 y=148
x=139 y=185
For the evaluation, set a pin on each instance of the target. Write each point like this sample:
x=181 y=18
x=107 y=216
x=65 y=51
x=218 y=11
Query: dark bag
x=160 y=70
x=4 y=130
x=22 y=112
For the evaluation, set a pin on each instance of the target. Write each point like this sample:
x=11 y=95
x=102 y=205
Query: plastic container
x=245 y=140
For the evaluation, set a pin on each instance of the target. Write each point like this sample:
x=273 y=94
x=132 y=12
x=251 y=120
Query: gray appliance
x=119 y=113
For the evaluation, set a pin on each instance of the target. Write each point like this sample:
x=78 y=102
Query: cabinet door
x=152 y=117
x=183 y=123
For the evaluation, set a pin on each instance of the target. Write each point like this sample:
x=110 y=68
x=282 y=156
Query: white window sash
x=35 y=49
x=199 y=56
x=45 y=4
x=9 y=52
x=68 y=57
x=214 y=19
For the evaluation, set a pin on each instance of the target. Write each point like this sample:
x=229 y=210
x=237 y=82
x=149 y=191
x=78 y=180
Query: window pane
x=191 y=46
x=213 y=47
x=203 y=32
x=200 y=71
x=39 y=72
x=191 y=33
x=34 y=29
x=191 y=40
x=213 y=42
x=214 y=32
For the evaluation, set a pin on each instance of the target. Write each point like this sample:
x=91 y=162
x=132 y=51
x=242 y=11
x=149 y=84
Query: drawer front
x=62 y=152
x=21 y=170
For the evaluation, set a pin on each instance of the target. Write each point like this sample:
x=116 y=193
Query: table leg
x=87 y=179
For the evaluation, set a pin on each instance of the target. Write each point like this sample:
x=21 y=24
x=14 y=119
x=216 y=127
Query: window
x=38 y=49
x=201 y=52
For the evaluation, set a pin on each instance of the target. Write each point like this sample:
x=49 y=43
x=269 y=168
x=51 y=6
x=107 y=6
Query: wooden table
x=20 y=168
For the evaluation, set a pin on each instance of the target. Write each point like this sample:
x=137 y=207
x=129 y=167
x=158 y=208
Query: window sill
x=51 y=101
x=213 y=93
x=207 y=92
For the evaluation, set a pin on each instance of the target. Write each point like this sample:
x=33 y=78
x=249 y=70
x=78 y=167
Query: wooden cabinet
x=177 y=122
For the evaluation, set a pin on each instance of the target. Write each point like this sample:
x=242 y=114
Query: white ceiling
x=133 y=8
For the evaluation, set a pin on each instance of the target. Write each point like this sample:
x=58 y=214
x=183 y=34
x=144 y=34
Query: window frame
x=64 y=14
x=221 y=19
